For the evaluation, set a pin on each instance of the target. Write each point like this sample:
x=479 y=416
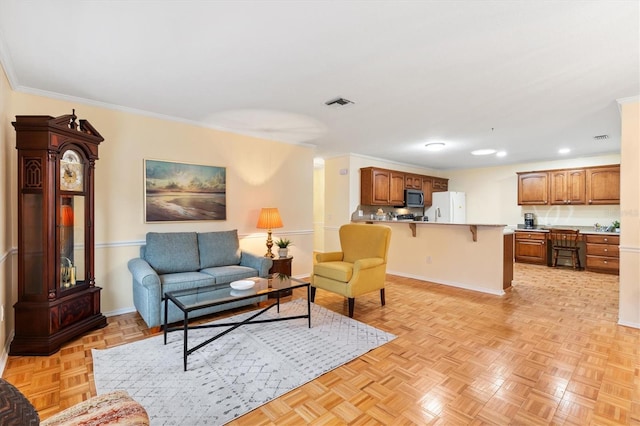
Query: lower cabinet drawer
x=604 y=264
x=602 y=250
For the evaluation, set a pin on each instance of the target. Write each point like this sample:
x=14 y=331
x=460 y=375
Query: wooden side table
x=282 y=266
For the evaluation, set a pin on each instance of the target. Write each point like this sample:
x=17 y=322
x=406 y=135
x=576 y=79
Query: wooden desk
x=600 y=252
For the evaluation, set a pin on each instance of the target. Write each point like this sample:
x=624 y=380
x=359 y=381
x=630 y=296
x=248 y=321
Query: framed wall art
x=175 y=192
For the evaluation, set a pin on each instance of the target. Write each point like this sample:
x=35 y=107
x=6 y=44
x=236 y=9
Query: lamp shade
x=269 y=218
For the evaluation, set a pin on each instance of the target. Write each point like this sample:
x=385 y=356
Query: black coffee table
x=190 y=300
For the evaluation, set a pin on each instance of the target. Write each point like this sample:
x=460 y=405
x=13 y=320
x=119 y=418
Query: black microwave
x=413 y=198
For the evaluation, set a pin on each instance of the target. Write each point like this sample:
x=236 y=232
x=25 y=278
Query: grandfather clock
x=57 y=295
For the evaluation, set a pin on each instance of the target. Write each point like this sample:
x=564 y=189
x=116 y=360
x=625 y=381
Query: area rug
x=237 y=373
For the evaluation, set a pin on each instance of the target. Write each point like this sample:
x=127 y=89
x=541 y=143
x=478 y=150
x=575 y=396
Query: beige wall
x=629 y=311
x=7 y=218
x=260 y=173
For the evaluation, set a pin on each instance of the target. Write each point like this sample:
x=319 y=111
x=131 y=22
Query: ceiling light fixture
x=435 y=146
x=564 y=151
x=501 y=154
x=483 y=152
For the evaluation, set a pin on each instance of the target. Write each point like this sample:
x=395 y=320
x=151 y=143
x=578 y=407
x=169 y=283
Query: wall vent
x=601 y=137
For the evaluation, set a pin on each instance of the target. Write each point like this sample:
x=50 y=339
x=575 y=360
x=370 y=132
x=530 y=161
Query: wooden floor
x=549 y=352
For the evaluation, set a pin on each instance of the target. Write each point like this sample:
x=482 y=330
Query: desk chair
x=565 y=244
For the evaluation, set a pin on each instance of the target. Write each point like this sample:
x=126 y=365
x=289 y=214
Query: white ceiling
x=527 y=77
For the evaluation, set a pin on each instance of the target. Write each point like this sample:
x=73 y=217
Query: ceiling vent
x=601 y=137
x=338 y=102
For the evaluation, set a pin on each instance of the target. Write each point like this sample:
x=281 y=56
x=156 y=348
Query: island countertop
x=473 y=227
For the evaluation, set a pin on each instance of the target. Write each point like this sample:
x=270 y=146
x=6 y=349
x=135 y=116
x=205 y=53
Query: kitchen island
x=472 y=256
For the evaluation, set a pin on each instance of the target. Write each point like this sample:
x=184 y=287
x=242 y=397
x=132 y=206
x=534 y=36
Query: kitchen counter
x=473 y=227
x=583 y=229
x=469 y=256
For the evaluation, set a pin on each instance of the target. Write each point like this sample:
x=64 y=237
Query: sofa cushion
x=185 y=280
x=219 y=248
x=227 y=274
x=170 y=252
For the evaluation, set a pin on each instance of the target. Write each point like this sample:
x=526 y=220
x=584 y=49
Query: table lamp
x=269 y=219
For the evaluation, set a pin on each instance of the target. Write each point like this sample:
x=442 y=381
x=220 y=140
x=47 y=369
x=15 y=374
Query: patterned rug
x=237 y=373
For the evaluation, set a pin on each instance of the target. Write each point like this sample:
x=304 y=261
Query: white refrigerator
x=447 y=207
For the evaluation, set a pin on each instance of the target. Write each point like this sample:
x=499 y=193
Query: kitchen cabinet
x=533 y=188
x=531 y=247
x=603 y=253
x=603 y=185
x=427 y=189
x=567 y=186
x=439 y=184
x=589 y=185
x=412 y=181
x=381 y=187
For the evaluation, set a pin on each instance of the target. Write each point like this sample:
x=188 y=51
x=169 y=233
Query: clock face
x=71 y=172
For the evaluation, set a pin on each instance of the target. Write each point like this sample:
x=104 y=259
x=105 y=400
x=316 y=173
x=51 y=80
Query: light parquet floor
x=549 y=352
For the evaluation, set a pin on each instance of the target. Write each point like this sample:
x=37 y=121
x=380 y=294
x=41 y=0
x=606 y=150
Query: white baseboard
x=629 y=324
x=4 y=356
x=450 y=283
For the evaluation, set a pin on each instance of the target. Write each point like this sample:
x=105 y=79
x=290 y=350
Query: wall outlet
x=428 y=259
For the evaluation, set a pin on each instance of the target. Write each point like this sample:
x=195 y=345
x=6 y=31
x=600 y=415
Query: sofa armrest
x=332 y=256
x=143 y=273
x=261 y=263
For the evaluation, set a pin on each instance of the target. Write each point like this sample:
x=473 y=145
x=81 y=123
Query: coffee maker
x=528 y=221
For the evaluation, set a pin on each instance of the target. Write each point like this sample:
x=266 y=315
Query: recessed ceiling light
x=564 y=151
x=435 y=146
x=501 y=154
x=483 y=152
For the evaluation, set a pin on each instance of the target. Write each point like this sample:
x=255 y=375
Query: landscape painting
x=182 y=192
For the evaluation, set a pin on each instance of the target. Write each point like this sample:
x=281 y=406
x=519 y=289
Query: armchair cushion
x=339 y=271
x=219 y=248
x=171 y=252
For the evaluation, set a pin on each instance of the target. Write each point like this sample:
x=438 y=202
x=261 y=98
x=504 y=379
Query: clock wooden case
x=58 y=299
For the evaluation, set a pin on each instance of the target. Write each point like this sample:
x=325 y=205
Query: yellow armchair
x=361 y=266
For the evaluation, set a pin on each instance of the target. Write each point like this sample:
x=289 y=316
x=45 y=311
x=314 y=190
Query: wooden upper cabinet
x=439 y=184
x=427 y=189
x=396 y=189
x=381 y=187
x=590 y=185
x=603 y=185
x=533 y=188
x=412 y=181
x=567 y=186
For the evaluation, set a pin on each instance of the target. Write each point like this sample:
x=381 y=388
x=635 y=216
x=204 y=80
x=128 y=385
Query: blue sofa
x=182 y=260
